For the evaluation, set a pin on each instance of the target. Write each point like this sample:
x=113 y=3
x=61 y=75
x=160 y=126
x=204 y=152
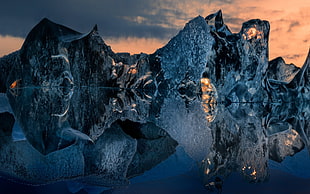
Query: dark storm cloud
x=292 y=56
x=113 y=17
x=221 y=1
x=292 y=25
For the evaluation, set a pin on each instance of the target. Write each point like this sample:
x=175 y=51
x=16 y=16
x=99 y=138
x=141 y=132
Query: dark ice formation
x=236 y=63
x=100 y=118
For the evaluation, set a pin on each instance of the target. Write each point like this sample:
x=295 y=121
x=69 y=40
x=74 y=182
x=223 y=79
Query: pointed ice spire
x=303 y=76
x=219 y=20
x=95 y=28
x=216 y=20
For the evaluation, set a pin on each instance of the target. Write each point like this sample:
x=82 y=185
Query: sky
x=145 y=25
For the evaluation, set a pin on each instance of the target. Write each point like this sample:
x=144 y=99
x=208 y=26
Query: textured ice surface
x=188 y=52
x=187 y=125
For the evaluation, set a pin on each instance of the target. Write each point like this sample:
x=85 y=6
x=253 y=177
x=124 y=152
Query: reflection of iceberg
x=107 y=162
x=284 y=143
x=50 y=133
x=188 y=126
x=238 y=145
x=84 y=115
x=209 y=99
x=242 y=145
x=297 y=165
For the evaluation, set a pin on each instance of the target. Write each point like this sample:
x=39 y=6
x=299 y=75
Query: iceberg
x=101 y=118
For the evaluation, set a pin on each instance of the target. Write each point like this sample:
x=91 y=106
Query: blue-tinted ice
x=209 y=102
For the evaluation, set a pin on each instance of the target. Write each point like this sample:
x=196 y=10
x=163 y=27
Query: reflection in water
x=243 y=145
x=107 y=146
x=239 y=144
x=208 y=98
x=83 y=137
